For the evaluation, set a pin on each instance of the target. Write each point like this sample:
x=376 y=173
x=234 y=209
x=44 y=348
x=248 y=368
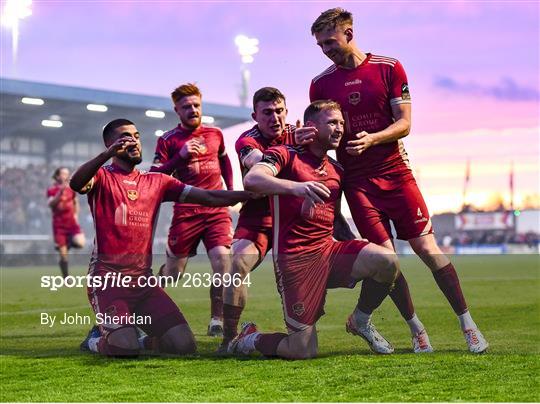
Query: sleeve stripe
x=247 y=155
x=270 y=166
x=184 y=193
x=399 y=100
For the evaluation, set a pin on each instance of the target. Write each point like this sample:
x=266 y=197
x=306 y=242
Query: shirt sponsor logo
x=129 y=182
x=419 y=214
x=132 y=194
x=352 y=83
x=354 y=98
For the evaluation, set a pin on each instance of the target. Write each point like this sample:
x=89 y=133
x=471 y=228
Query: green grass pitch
x=44 y=364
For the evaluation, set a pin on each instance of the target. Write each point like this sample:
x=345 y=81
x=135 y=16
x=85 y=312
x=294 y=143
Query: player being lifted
x=306 y=189
x=125 y=204
x=195 y=154
x=65 y=210
x=373 y=92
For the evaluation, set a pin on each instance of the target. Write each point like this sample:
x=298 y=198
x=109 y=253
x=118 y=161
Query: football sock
x=216 y=301
x=360 y=317
x=466 y=322
x=448 y=282
x=231 y=318
x=267 y=344
x=401 y=297
x=415 y=325
x=372 y=295
x=93 y=344
x=63 y=267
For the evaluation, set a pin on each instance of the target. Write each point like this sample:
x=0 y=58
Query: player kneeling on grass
x=124 y=203
x=306 y=189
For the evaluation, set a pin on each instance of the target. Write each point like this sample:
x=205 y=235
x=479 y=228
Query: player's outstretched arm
x=261 y=179
x=207 y=197
x=82 y=176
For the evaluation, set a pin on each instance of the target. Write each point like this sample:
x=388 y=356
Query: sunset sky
x=472 y=68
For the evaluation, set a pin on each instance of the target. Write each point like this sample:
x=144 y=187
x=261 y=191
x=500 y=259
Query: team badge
x=132 y=194
x=405 y=94
x=298 y=308
x=354 y=98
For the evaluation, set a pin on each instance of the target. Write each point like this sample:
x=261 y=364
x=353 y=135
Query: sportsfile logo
x=117 y=280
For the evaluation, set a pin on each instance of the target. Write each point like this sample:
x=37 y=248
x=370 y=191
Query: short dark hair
x=185 y=90
x=332 y=18
x=57 y=171
x=267 y=94
x=318 y=106
x=111 y=126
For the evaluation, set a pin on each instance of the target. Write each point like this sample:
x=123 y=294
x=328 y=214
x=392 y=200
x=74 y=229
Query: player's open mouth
x=276 y=127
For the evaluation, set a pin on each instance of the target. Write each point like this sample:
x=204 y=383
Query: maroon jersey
x=203 y=170
x=64 y=212
x=125 y=208
x=366 y=95
x=256 y=212
x=295 y=229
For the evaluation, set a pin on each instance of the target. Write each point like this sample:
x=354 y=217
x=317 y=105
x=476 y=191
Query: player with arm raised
x=195 y=154
x=125 y=203
x=306 y=189
x=65 y=211
x=373 y=92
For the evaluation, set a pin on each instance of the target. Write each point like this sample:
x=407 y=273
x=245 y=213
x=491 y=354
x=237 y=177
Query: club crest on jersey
x=405 y=94
x=321 y=171
x=354 y=98
x=298 y=308
x=132 y=194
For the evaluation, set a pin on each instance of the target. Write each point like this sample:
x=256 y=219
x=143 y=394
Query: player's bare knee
x=241 y=264
x=388 y=268
x=125 y=338
x=178 y=340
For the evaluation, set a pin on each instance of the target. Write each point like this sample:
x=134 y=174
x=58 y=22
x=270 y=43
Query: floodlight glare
x=159 y=132
x=15 y=10
x=97 y=108
x=32 y=101
x=207 y=119
x=51 y=124
x=155 y=114
x=247 y=47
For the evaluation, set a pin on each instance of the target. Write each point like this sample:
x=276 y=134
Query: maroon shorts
x=191 y=225
x=376 y=201
x=162 y=312
x=258 y=235
x=63 y=234
x=303 y=279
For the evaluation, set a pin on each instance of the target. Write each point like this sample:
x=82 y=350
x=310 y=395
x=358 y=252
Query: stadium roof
x=69 y=105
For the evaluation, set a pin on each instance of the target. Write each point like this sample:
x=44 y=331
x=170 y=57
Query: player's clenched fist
x=190 y=148
x=312 y=189
x=363 y=141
